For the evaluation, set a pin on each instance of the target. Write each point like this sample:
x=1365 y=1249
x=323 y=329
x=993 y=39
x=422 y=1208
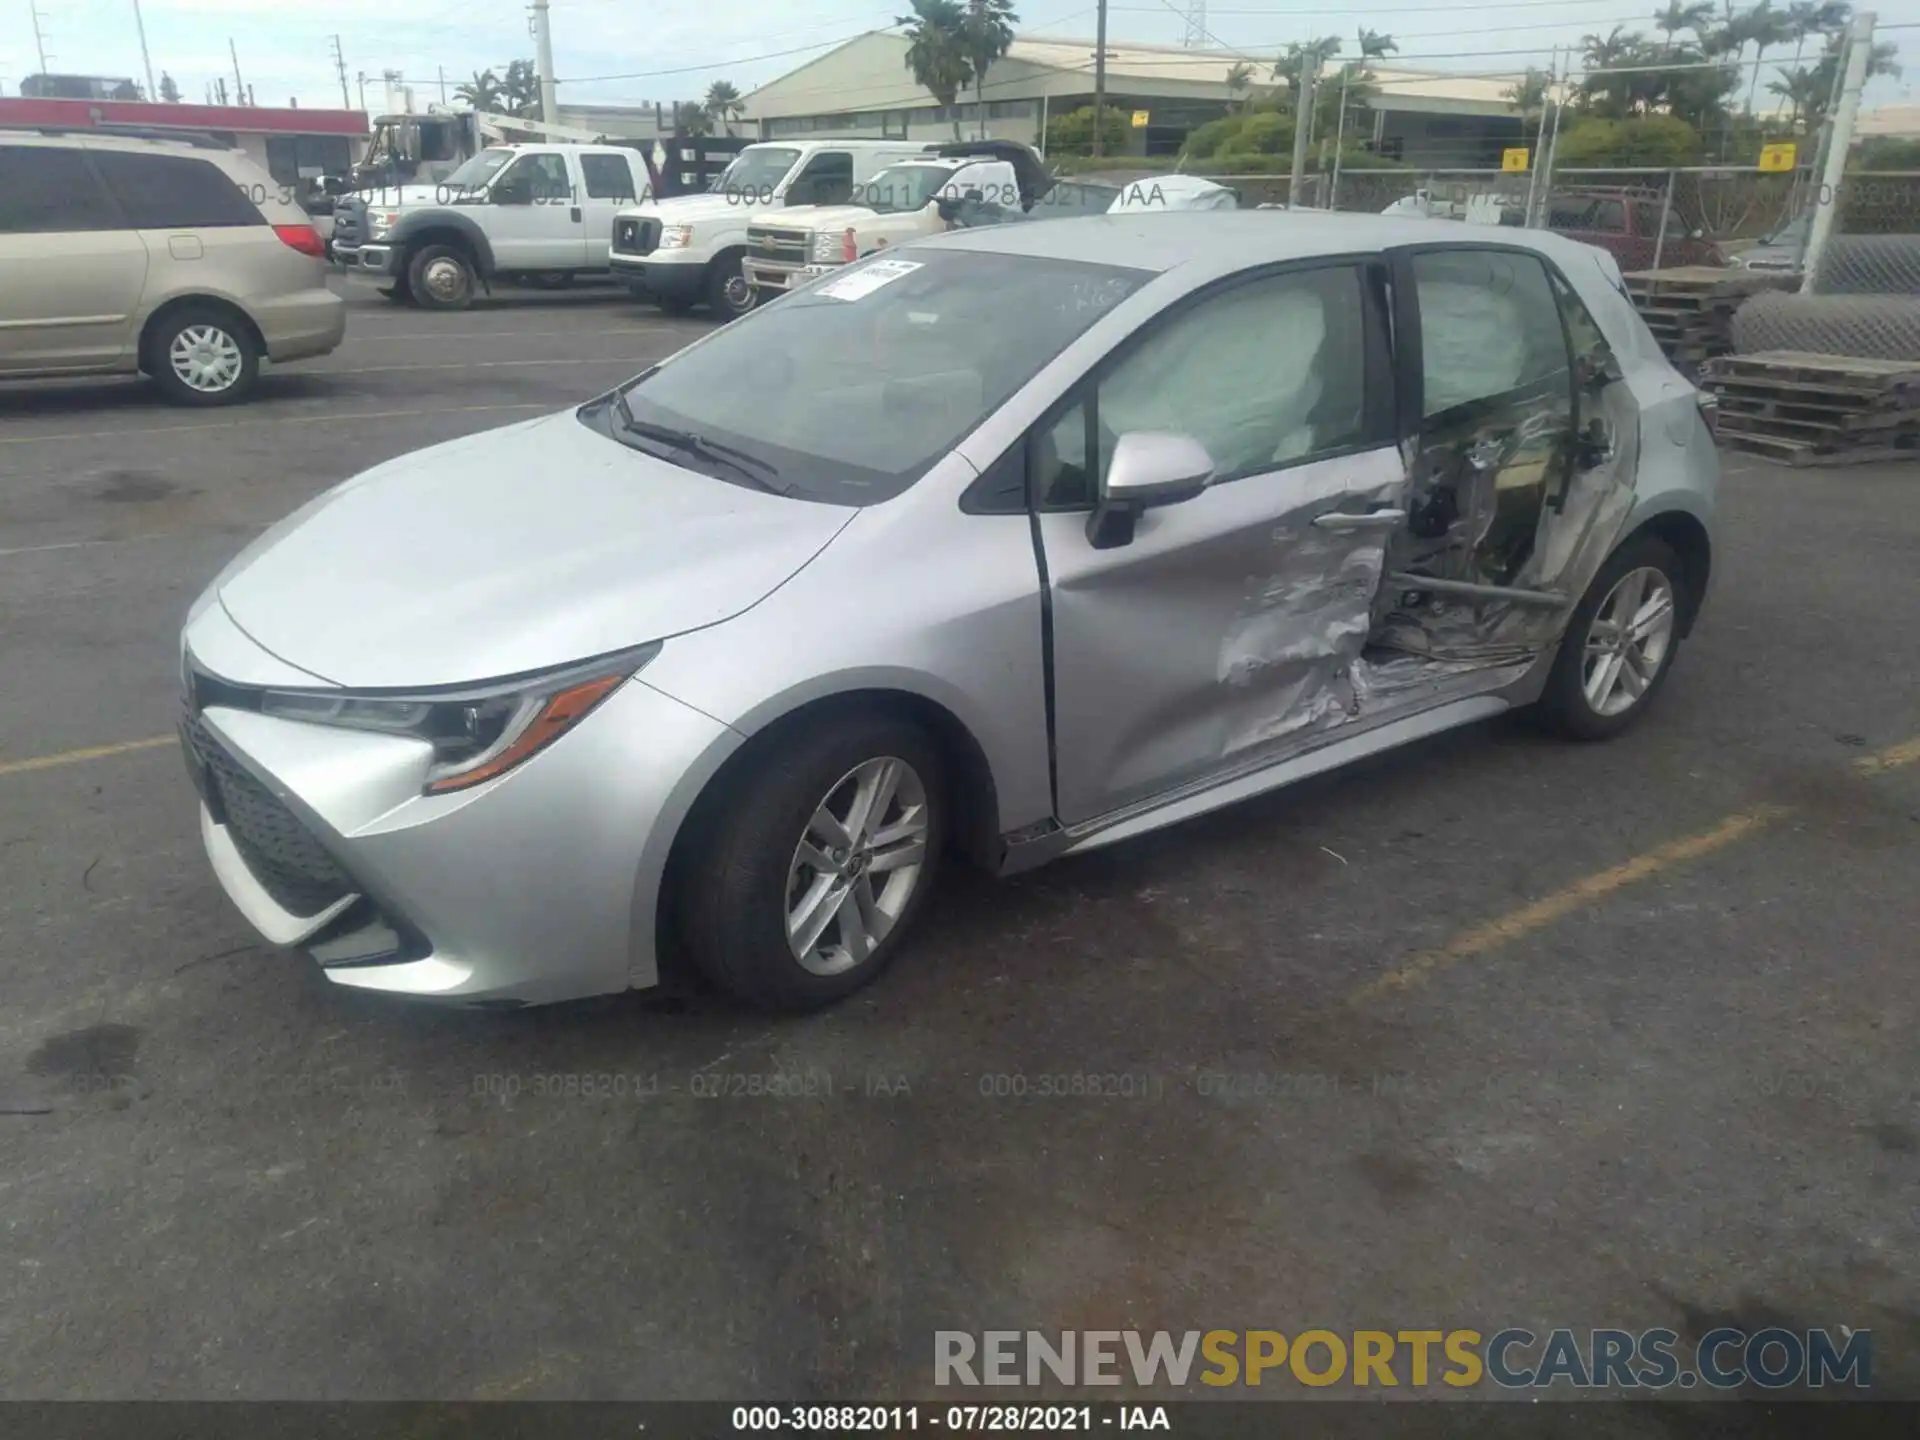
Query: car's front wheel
x=439 y=277
x=814 y=867
x=729 y=293
x=1620 y=644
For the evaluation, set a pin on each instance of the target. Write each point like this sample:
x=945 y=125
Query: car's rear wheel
x=814 y=867
x=1620 y=644
x=202 y=355
x=441 y=278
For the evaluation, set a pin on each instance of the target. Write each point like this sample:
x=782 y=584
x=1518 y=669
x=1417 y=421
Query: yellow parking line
x=92 y=752
x=1891 y=758
x=1528 y=918
x=1541 y=913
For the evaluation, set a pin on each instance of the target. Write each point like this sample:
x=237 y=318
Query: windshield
x=476 y=172
x=903 y=187
x=755 y=173
x=848 y=391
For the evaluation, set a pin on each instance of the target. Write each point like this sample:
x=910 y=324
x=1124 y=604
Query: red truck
x=1626 y=223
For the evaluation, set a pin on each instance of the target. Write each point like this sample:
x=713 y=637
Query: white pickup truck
x=536 y=213
x=900 y=203
x=681 y=251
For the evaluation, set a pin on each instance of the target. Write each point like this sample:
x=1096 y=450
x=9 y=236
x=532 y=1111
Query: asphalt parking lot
x=1500 y=1031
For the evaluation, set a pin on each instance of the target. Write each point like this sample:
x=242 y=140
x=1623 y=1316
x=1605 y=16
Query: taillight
x=303 y=238
x=1709 y=404
x=849 y=246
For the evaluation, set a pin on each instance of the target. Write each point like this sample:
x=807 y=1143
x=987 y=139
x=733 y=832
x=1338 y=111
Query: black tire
x=1564 y=706
x=398 y=293
x=638 y=290
x=675 y=304
x=734 y=899
x=449 y=270
x=729 y=296
x=216 y=321
x=551 y=280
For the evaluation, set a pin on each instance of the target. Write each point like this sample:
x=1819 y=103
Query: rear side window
x=174 y=192
x=608 y=177
x=1489 y=326
x=48 y=191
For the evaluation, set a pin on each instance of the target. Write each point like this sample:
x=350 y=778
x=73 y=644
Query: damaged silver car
x=1010 y=544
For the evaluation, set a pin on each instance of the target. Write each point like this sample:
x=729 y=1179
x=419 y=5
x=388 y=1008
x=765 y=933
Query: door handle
x=1345 y=522
x=576 y=213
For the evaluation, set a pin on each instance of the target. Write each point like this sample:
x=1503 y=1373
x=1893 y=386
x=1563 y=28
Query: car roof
x=1228 y=240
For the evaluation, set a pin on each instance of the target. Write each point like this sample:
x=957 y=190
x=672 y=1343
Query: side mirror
x=1150 y=468
x=973 y=193
x=948 y=207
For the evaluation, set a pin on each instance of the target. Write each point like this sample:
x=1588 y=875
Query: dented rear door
x=1224 y=631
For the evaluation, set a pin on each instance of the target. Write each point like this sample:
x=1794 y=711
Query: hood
x=512 y=551
x=691 y=209
x=830 y=217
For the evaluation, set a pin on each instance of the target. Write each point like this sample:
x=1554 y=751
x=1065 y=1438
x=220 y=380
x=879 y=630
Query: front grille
x=291 y=866
x=782 y=245
x=636 y=237
x=349 y=221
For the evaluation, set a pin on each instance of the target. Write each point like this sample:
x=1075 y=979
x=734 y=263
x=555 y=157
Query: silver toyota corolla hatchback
x=1010 y=544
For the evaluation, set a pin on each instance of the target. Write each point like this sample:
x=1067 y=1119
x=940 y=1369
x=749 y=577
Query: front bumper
x=380 y=262
x=780 y=274
x=539 y=886
x=670 y=281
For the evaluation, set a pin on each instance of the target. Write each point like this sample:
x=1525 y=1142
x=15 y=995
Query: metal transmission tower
x=1196 y=24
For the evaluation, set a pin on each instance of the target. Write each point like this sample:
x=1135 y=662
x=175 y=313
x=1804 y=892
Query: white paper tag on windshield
x=868 y=278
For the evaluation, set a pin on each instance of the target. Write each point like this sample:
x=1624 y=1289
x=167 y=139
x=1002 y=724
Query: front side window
x=827 y=180
x=1610 y=216
x=1263 y=374
x=756 y=173
x=902 y=188
x=850 y=390
x=540 y=178
x=474 y=173
x=1489 y=326
x=174 y=192
x=49 y=191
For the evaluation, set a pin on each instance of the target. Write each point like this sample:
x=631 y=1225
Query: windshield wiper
x=759 y=471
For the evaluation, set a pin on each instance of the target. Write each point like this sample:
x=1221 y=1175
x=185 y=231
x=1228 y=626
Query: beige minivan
x=173 y=258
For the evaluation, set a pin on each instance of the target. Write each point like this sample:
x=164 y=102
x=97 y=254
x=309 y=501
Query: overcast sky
x=285 y=45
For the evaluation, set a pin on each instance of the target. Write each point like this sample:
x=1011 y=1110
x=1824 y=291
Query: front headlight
x=826 y=248
x=479 y=732
x=380 y=223
x=676 y=237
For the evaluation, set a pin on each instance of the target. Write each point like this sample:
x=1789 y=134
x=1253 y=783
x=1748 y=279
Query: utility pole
x=1859 y=51
x=1302 y=109
x=239 y=85
x=140 y=25
x=543 y=55
x=39 y=42
x=443 y=83
x=1100 y=82
x=363 y=89
x=340 y=64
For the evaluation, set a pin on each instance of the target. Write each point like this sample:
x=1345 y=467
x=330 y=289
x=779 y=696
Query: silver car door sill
x=1550 y=599
x=1220 y=790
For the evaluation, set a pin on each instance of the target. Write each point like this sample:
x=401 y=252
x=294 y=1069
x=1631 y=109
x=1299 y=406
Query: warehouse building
x=863 y=89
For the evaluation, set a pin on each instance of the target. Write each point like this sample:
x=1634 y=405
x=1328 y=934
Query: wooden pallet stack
x=1807 y=409
x=1690 y=308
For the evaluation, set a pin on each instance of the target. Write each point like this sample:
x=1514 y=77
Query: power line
x=722 y=64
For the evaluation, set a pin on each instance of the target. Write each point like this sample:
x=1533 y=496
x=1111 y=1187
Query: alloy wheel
x=857 y=866
x=1628 y=641
x=206 y=358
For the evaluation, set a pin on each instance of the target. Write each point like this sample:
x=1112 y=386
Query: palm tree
x=1529 y=97
x=988 y=33
x=1239 y=80
x=521 y=90
x=1677 y=17
x=482 y=92
x=691 y=118
x=724 y=105
x=1375 y=46
x=937 y=52
x=1763 y=27
x=1618 y=47
x=1804 y=93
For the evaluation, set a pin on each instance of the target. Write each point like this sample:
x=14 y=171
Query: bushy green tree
x=1071 y=132
x=1596 y=142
